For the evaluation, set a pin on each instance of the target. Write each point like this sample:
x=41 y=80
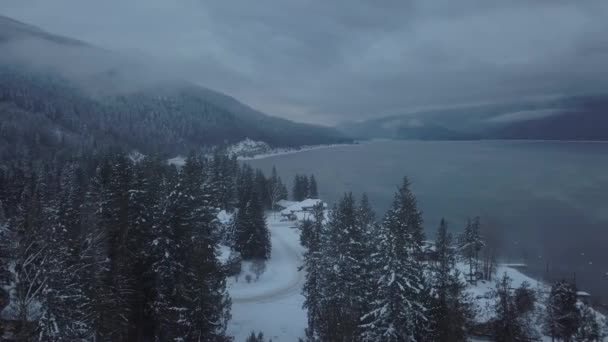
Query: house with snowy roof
x=301 y=210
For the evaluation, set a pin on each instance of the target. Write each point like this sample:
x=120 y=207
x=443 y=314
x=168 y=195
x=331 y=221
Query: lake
x=550 y=199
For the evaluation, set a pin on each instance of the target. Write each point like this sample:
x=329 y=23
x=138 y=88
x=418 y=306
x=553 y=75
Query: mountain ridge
x=78 y=97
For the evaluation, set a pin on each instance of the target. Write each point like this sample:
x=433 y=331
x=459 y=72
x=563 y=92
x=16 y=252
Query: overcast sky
x=331 y=61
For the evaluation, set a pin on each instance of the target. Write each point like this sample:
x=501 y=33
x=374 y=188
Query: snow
x=178 y=161
x=283 y=151
x=273 y=303
x=248 y=148
x=224 y=217
x=285 y=203
x=482 y=292
x=136 y=156
x=301 y=206
x=223 y=254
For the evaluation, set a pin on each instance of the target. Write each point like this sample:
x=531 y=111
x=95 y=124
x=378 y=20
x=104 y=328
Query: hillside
x=563 y=118
x=59 y=94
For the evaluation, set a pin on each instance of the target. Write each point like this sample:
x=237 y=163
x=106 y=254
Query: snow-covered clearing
x=482 y=292
x=273 y=303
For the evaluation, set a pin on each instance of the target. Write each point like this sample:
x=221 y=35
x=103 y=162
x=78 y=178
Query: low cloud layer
x=331 y=61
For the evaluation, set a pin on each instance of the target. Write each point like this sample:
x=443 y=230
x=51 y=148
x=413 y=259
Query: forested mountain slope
x=48 y=105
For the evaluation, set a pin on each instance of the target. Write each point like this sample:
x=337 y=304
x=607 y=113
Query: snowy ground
x=273 y=303
x=283 y=151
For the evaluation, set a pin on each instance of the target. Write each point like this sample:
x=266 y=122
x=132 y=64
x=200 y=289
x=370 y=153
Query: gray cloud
x=328 y=61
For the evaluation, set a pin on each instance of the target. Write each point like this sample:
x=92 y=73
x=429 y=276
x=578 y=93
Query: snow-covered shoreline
x=283 y=151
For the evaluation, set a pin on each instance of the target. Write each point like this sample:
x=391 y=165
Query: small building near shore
x=301 y=210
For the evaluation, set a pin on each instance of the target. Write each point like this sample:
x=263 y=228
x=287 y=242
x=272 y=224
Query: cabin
x=284 y=204
x=301 y=210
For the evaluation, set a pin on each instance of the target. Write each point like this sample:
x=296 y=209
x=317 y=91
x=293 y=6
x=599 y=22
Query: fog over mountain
x=60 y=95
x=328 y=62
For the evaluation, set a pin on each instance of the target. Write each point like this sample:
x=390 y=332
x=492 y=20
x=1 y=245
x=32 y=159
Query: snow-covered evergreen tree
x=590 y=327
x=252 y=238
x=398 y=313
x=470 y=243
x=562 y=318
x=450 y=311
x=190 y=302
x=64 y=303
x=509 y=324
x=311 y=239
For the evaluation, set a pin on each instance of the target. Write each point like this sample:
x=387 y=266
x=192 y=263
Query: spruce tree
x=64 y=303
x=312 y=187
x=509 y=325
x=450 y=312
x=470 y=243
x=300 y=188
x=311 y=239
x=109 y=276
x=191 y=302
x=202 y=285
x=252 y=238
x=590 y=329
x=397 y=312
x=345 y=252
x=562 y=317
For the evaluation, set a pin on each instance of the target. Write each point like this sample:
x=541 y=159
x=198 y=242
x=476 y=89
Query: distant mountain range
x=61 y=94
x=577 y=118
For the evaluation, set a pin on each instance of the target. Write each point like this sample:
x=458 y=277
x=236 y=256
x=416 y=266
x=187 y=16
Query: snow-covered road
x=273 y=303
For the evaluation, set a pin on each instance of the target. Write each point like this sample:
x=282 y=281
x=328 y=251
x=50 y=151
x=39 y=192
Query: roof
x=299 y=206
x=285 y=203
x=583 y=294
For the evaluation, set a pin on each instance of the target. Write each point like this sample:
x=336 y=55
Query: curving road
x=282 y=277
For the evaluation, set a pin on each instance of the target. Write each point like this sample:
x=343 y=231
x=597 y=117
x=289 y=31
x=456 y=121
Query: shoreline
x=286 y=151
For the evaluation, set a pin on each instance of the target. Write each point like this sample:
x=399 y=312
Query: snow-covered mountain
x=57 y=93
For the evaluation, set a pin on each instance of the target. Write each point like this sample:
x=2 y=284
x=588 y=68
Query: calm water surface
x=550 y=199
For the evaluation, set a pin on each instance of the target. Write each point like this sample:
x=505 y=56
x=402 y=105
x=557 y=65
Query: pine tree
x=311 y=239
x=191 y=302
x=589 y=329
x=252 y=238
x=256 y=338
x=145 y=190
x=470 y=243
x=312 y=187
x=109 y=277
x=509 y=325
x=275 y=189
x=202 y=287
x=398 y=313
x=261 y=189
x=29 y=255
x=450 y=312
x=63 y=300
x=366 y=219
x=300 y=188
x=562 y=317
x=342 y=285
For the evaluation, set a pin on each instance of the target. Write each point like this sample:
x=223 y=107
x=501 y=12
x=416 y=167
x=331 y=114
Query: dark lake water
x=550 y=199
